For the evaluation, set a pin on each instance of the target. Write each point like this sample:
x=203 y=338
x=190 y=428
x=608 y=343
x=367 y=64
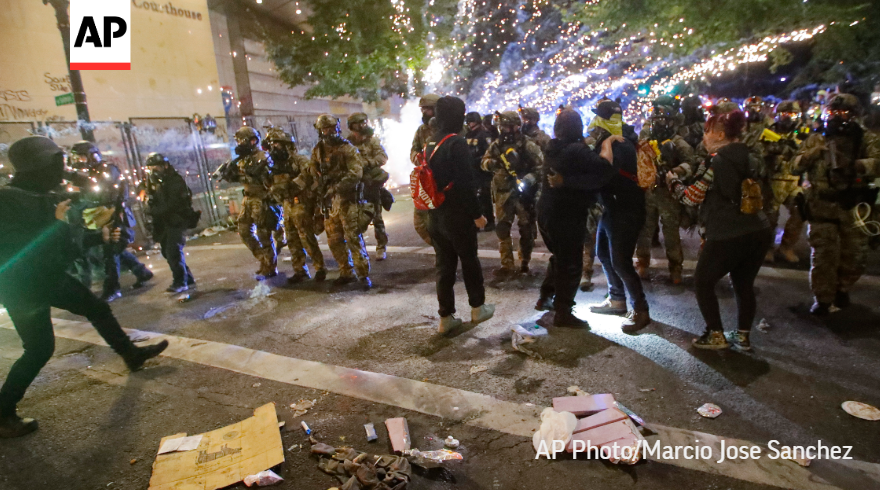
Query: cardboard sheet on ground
x=224 y=456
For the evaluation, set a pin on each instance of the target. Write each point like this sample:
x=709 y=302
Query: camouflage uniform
x=341 y=168
x=538 y=136
x=424 y=135
x=374 y=158
x=590 y=244
x=257 y=221
x=662 y=205
x=840 y=249
x=784 y=185
x=508 y=203
x=295 y=187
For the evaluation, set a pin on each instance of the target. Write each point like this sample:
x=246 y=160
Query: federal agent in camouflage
x=424 y=135
x=341 y=169
x=676 y=156
x=530 y=118
x=839 y=166
x=294 y=185
x=259 y=218
x=478 y=140
x=375 y=176
x=516 y=162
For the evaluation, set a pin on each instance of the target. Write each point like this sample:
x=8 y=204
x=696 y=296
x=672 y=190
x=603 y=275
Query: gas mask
x=508 y=135
x=279 y=153
x=244 y=148
x=840 y=123
x=662 y=128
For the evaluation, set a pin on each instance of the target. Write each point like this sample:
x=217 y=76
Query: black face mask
x=528 y=128
x=842 y=127
x=508 y=138
x=426 y=118
x=786 y=125
x=244 y=149
x=662 y=131
x=279 y=155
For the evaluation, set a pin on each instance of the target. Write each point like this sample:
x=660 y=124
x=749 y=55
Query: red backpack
x=422 y=186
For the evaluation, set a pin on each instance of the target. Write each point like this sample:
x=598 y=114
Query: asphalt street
x=100 y=426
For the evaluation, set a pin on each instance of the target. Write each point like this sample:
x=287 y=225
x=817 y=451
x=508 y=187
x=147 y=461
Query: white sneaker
x=482 y=313
x=448 y=324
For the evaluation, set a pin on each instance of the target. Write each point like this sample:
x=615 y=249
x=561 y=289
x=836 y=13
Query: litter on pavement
x=398 y=432
x=263 y=479
x=709 y=410
x=451 y=442
x=479 y=368
x=302 y=407
x=180 y=444
x=861 y=410
x=763 y=326
x=235 y=451
x=358 y=470
x=371 y=432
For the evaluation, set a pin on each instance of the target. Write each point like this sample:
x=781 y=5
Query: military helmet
x=84 y=148
x=844 y=102
x=663 y=112
x=429 y=100
x=473 y=117
x=155 y=159
x=246 y=133
x=357 y=117
x=664 y=100
x=691 y=102
x=753 y=101
x=530 y=113
x=788 y=107
x=326 y=121
x=508 y=118
x=724 y=106
x=280 y=135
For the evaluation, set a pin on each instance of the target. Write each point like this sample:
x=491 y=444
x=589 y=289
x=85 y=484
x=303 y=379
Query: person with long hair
x=736 y=241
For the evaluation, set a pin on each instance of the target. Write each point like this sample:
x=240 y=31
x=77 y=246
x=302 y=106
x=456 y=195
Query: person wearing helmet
x=489 y=126
x=293 y=185
x=478 y=140
x=753 y=108
x=694 y=120
x=530 y=118
x=781 y=142
x=36 y=252
x=104 y=203
x=375 y=176
x=169 y=202
x=676 y=155
x=424 y=135
x=839 y=166
x=515 y=161
x=341 y=169
x=259 y=217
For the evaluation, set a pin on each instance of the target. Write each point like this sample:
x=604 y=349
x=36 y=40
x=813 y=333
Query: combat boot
x=642 y=267
x=635 y=321
x=298 y=277
x=675 y=276
x=789 y=255
x=770 y=256
x=482 y=313
x=609 y=307
x=365 y=283
x=524 y=268
x=137 y=356
x=143 y=279
x=320 y=275
x=15 y=426
x=566 y=318
x=841 y=299
x=448 y=324
x=503 y=273
x=343 y=280
x=544 y=304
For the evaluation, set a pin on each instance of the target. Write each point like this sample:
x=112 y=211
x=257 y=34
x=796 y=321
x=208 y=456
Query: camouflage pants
x=784 y=193
x=508 y=207
x=379 y=228
x=661 y=204
x=259 y=239
x=590 y=243
x=839 y=256
x=300 y=227
x=346 y=243
x=420 y=222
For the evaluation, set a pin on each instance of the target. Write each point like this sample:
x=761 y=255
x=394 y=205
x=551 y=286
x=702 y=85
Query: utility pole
x=62 y=15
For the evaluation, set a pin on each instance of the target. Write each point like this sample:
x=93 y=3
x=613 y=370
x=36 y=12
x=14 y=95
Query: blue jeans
x=615 y=244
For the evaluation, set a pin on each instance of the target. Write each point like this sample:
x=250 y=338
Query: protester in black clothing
x=170 y=202
x=572 y=176
x=35 y=253
x=478 y=140
x=453 y=225
x=736 y=242
x=622 y=221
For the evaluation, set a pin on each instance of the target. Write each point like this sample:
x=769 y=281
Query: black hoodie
x=720 y=212
x=452 y=162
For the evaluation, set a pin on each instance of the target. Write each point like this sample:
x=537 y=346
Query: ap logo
x=100 y=35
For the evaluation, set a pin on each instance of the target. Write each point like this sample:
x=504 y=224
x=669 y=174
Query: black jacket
x=622 y=194
x=583 y=172
x=35 y=248
x=170 y=202
x=720 y=212
x=452 y=163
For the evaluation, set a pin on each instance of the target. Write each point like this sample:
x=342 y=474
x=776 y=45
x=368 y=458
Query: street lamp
x=62 y=15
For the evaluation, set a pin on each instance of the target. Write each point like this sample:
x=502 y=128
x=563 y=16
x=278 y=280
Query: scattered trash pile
x=525 y=336
x=358 y=470
x=597 y=425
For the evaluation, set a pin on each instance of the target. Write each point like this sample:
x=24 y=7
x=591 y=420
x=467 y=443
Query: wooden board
x=224 y=457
